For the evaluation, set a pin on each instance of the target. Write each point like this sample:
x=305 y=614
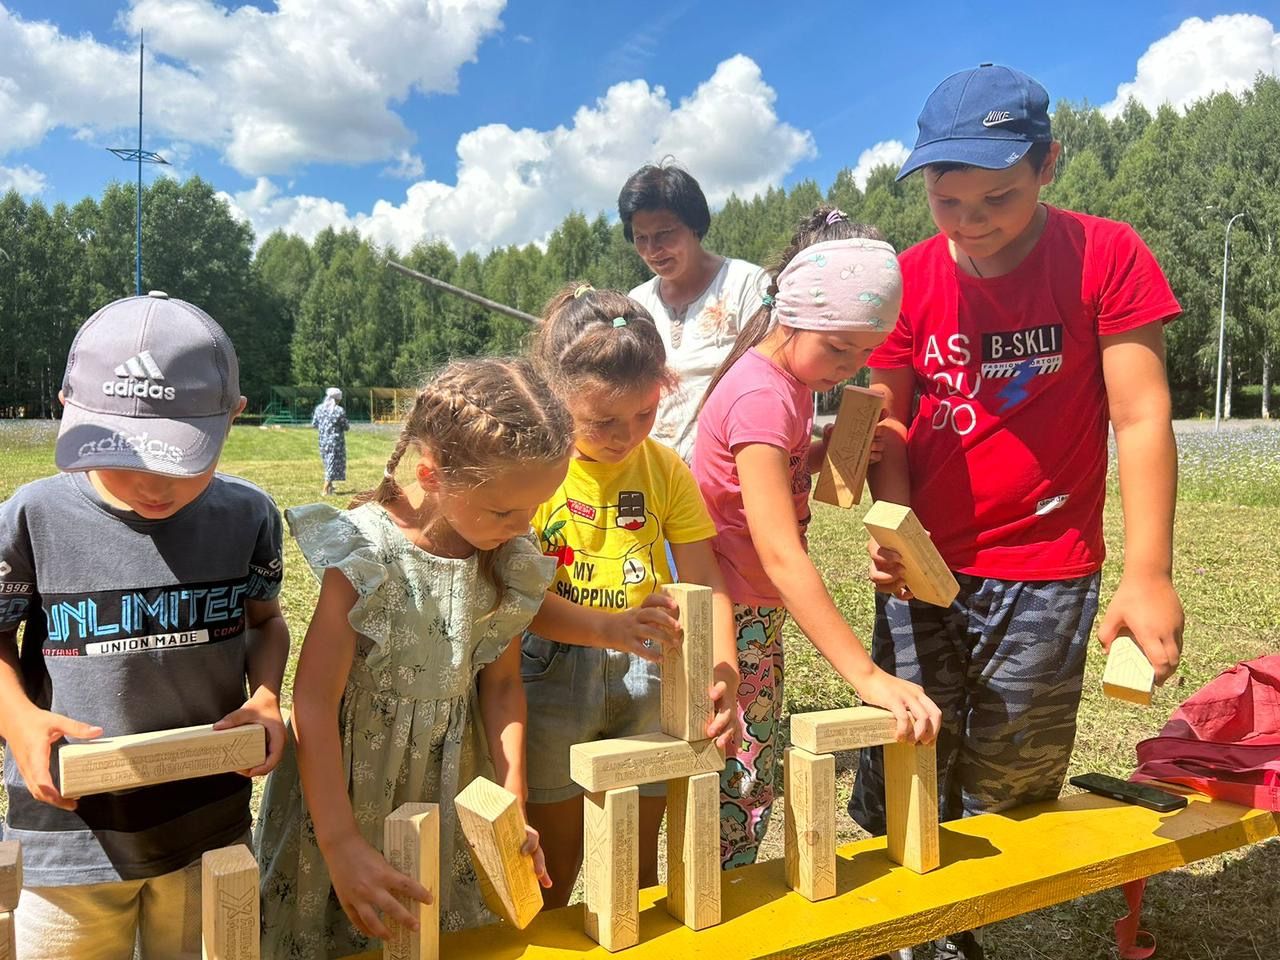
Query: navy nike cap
x=985 y=117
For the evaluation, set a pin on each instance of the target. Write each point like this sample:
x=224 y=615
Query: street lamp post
x=1222 y=324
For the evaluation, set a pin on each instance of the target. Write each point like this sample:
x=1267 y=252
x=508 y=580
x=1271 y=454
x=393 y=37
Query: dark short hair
x=1037 y=154
x=665 y=187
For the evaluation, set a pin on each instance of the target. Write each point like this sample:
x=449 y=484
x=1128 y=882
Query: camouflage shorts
x=1005 y=664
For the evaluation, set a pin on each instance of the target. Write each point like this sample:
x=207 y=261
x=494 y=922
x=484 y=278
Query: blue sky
x=485 y=126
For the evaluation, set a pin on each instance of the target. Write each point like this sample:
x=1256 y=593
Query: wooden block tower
x=411 y=844
x=611 y=772
x=911 y=795
x=229 y=911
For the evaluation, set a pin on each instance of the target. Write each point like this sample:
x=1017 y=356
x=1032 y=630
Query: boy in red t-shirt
x=1024 y=330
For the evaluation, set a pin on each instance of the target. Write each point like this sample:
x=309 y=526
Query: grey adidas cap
x=151 y=384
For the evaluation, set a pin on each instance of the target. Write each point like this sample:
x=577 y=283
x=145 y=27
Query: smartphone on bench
x=1161 y=801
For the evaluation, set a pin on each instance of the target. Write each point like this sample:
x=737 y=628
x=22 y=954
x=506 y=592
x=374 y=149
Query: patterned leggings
x=746 y=784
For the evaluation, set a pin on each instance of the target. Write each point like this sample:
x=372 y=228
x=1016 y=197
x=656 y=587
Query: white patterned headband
x=841 y=285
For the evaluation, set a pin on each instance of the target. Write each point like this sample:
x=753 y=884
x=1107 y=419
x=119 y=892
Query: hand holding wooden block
x=229 y=912
x=10 y=875
x=844 y=470
x=896 y=527
x=611 y=867
x=143 y=759
x=495 y=830
x=1128 y=675
x=411 y=844
x=688 y=670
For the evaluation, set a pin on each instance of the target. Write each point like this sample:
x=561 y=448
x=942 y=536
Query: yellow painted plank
x=993 y=867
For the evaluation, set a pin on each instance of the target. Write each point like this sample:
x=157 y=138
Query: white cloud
x=408 y=166
x=1199 y=58
x=312 y=82
x=24 y=179
x=517 y=185
x=891 y=152
x=264 y=209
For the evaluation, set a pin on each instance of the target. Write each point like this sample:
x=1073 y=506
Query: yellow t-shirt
x=609 y=524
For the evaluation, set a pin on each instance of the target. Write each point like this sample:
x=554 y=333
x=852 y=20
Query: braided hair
x=477 y=417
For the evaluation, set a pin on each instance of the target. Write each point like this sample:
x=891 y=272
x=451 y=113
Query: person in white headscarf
x=330 y=420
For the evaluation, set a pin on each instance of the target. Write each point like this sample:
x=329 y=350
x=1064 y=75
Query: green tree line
x=329 y=311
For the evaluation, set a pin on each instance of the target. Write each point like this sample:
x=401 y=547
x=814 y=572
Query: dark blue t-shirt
x=133 y=625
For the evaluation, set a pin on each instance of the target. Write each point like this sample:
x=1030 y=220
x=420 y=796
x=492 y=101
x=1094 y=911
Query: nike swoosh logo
x=996 y=123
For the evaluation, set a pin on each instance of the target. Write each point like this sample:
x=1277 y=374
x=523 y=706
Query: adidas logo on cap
x=136 y=375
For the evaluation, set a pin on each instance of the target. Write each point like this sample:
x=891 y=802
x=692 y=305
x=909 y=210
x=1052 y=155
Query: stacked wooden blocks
x=809 y=770
x=611 y=772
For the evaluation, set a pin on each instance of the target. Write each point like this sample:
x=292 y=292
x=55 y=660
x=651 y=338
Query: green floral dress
x=408 y=718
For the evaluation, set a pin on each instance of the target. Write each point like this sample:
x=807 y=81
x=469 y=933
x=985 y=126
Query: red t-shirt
x=1008 y=448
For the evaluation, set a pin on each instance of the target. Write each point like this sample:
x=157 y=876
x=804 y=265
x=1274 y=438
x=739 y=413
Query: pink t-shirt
x=755 y=402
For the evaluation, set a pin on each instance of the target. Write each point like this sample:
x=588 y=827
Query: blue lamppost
x=139 y=156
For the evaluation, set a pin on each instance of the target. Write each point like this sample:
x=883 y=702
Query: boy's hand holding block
x=10 y=875
x=688 y=670
x=495 y=830
x=229 y=910
x=1128 y=675
x=143 y=759
x=896 y=527
x=844 y=469
x=411 y=844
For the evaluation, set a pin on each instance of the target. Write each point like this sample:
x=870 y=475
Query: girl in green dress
x=408 y=685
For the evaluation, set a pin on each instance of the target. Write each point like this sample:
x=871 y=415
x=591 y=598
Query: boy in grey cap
x=148 y=584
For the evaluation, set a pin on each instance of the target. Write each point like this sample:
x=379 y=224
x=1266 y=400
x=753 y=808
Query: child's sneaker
x=959 y=946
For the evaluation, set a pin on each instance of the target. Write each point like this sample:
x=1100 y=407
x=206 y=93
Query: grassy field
x=1228 y=515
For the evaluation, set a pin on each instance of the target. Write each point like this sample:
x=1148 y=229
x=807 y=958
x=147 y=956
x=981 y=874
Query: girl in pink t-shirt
x=834 y=298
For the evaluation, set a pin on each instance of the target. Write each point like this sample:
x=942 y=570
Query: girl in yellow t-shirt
x=589 y=662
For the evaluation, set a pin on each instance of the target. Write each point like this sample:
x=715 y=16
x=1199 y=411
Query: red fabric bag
x=1224 y=741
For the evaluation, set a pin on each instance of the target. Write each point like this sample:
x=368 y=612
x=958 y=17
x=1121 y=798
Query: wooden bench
x=993 y=867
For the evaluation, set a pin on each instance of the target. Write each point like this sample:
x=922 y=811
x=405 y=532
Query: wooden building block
x=645 y=758
x=688 y=670
x=896 y=527
x=1128 y=675
x=844 y=469
x=411 y=844
x=693 y=850
x=143 y=759
x=229 y=913
x=10 y=875
x=611 y=865
x=911 y=805
x=495 y=830
x=828 y=731
x=810 y=840
x=8 y=945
